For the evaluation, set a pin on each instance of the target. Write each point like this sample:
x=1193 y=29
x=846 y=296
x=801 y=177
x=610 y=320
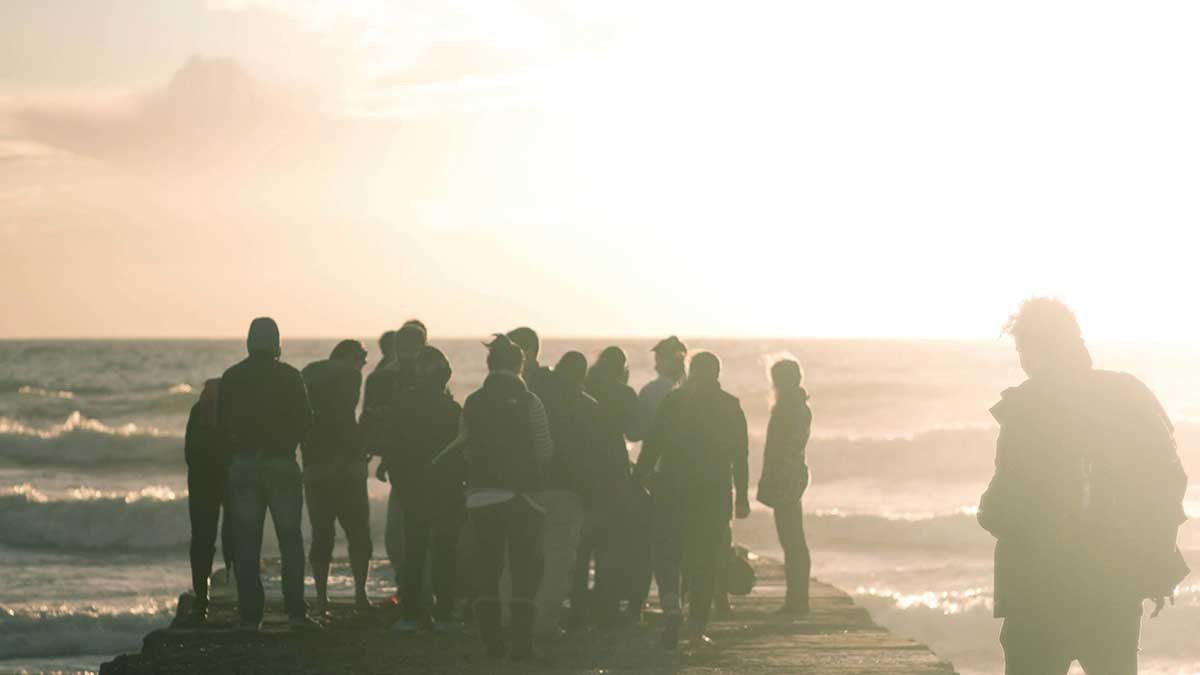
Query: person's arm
x=654 y=443
x=629 y=414
x=459 y=443
x=741 y=462
x=302 y=414
x=543 y=444
x=643 y=417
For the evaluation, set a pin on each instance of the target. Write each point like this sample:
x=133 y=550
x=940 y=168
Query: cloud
x=210 y=112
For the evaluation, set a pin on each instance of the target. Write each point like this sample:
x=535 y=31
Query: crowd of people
x=530 y=475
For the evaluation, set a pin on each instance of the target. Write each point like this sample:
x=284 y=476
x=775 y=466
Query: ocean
x=93 y=506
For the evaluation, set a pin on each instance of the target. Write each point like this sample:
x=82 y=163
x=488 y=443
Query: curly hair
x=1043 y=320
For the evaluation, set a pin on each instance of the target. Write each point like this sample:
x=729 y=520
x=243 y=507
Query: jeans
x=256 y=485
x=1105 y=642
x=600 y=539
x=516 y=527
x=690 y=538
x=338 y=493
x=636 y=541
x=393 y=535
x=431 y=560
x=207 y=496
x=560 y=538
x=789 y=525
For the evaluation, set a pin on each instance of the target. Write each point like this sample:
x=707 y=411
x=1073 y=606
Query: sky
x=173 y=168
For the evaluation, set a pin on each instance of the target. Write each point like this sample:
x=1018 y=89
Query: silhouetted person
x=387 y=349
x=379 y=428
x=507 y=442
x=431 y=495
x=573 y=419
x=536 y=375
x=1084 y=504
x=207 y=454
x=335 y=468
x=700 y=446
x=607 y=484
x=785 y=477
x=264 y=414
x=670 y=364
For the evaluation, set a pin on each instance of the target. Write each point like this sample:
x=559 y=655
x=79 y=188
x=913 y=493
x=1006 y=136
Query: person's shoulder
x=1016 y=400
x=235 y=371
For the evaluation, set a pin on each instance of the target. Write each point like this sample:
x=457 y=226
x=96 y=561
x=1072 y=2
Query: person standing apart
x=506 y=442
x=697 y=451
x=335 y=469
x=1085 y=504
x=785 y=477
x=264 y=414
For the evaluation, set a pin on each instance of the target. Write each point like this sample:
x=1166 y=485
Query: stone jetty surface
x=838 y=638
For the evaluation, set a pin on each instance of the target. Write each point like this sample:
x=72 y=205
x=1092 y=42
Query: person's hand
x=381 y=472
x=742 y=511
x=1160 y=603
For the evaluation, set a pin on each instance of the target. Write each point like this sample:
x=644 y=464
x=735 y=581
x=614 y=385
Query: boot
x=523 y=614
x=487 y=616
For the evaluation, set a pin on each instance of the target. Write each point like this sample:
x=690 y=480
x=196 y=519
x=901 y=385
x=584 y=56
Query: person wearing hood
x=264 y=414
x=506 y=441
x=670 y=365
x=695 y=454
x=1085 y=504
x=207 y=455
x=431 y=495
x=607 y=483
x=785 y=478
x=335 y=468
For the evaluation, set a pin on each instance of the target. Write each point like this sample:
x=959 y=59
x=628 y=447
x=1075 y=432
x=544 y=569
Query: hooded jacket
x=502 y=451
x=263 y=407
x=333 y=391
x=427 y=420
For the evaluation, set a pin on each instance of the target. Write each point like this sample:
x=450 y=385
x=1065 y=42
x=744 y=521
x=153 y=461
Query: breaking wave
x=30 y=632
x=84 y=441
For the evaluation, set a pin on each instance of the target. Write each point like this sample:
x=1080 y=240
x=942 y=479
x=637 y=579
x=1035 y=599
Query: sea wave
x=30 y=632
x=92 y=520
x=82 y=440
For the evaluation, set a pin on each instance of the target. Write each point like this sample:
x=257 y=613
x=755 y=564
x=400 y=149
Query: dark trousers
x=207 y=498
x=690 y=540
x=1105 y=642
x=258 y=485
x=637 y=545
x=599 y=540
x=431 y=548
x=789 y=525
x=337 y=493
x=514 y=526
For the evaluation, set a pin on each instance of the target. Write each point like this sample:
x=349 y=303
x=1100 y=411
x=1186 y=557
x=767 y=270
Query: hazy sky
x=174 y=168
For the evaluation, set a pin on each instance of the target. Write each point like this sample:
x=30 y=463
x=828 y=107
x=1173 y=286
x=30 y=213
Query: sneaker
x=362 y=603
x=700 y=642
x=303 y=624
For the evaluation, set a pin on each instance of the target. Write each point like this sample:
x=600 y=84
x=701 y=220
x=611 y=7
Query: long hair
x=610 y=366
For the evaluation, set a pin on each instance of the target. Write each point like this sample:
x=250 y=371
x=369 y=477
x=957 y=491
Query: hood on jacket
x=263 y=337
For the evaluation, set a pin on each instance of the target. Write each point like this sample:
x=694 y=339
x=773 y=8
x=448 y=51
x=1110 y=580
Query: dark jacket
x=382 y=387
x=785 y=471
x=1086 y=497
x=264 y=407
x=700 y=446
x=205 y=449
x=610 y=465
x=426 y=422
x=573 y=417
x=501 y=451
x=333 y=391
x=540 y=380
